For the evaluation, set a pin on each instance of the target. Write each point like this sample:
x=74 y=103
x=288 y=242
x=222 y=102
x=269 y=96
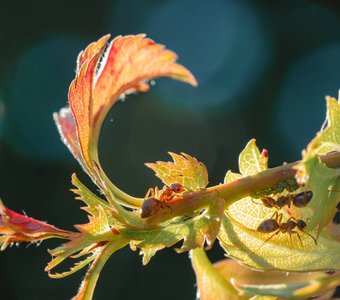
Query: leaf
x=194 y=232
x=91 y=200
x=67 y=130
x=15 y=227
x=88 y=284
x=210 y=283
x=91 y=237
x=114 y=212
x=325 y=184
x=104 y=73
x=241 y=240
x=81 y=98
x=328 y=138
x=251 y=161
x=247 y=245
x=261 y=284
x=184 y=169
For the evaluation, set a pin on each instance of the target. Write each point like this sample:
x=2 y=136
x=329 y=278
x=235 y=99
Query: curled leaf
x=104 y=73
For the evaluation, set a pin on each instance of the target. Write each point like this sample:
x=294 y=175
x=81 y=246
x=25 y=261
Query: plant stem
x=235 y=190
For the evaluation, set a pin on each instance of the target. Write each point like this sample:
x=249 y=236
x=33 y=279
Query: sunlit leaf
x=273 y=284
x=240 y=238
x=114 y=212
x=105 y=72
x=194 y=232
x=88 y=284
x=91 y=237
x=67 y=130
x=281 y=253
x=184 y=169
x=325 y=183
x=328 y=139
x=81 y=98
x=15 y=227
x=251 y=161
x=210 y=283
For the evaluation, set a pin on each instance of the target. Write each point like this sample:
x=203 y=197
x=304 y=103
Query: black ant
x=155 y=199
x=275 y=224
x=298 y=200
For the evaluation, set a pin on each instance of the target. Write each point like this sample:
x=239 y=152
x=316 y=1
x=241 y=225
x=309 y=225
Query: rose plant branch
x=185 y=209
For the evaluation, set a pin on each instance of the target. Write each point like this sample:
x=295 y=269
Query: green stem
x=235 y=190
x=89 y=283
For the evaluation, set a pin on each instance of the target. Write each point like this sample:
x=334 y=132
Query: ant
x=275 y=224
x=298 y=200
x=155 y=199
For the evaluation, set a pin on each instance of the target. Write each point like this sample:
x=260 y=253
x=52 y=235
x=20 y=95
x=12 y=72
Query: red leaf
x=15 y=227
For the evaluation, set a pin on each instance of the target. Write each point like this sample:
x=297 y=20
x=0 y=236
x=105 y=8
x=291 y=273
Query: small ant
x=275 y=224
x=155 y=199
x=299 y=200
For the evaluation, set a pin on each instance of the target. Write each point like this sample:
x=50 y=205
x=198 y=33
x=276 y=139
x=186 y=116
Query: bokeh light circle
x=39 y=88
x=301 y=106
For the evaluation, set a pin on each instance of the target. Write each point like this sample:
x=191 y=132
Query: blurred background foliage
x=263 y=67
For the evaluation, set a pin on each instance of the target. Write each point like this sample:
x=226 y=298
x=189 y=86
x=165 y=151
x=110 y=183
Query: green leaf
x=184 y=169
x=280 y=253
x=92 y=236
x=251 y=161
x=88 y=284
x=272 y=284
x=296 y=286
x=325 y=184
x=241 y=240
x=115 y=213
x=328 y=138
x=90 y=199
x=210 y=283
x=194 y=232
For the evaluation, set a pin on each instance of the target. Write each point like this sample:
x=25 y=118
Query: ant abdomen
x=302 y=199
x=149 y=207
x=268 y=226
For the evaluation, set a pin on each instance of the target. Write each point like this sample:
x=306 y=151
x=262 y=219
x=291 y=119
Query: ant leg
x=149 y=193
x=257 y=203
x=298 y=235
x=275 y=233
x=310 y=236
x=290 y=218
x=276 y=216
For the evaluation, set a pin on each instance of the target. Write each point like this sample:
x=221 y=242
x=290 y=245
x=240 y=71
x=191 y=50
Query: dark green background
x=263 y=69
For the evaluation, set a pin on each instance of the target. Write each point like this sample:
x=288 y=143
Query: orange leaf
x=15 y=227
x=104 y=74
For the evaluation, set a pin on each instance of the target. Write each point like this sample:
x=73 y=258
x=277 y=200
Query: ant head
x=301 y=224
x=176 y=187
